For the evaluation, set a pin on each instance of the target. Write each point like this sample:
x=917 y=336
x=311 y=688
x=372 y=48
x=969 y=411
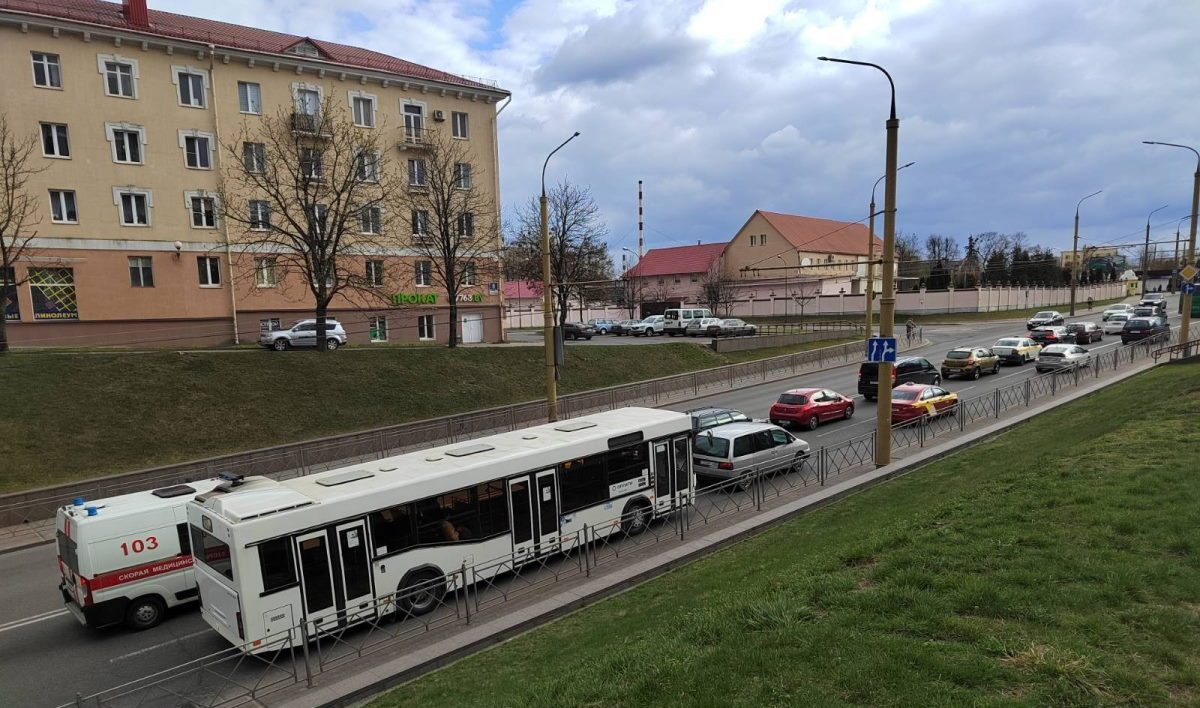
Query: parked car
x=1084 y=332
x=970 y=362
x=922 y=402
x=677 y=319
x=703 y=327
x=303 y=334
x=649 y=327
x=810 y=407
x=912 y=369
x=1016 y=350
x=1058 y=357
x=1118 y=309
x=710 y=417
x=1137 y=328
x=1049 y=335
x=1045 y=318
x=624 y=327
x=738 y=450
x=733 y=327
x=603 y=326
x=1116 y=322
x=576 y=331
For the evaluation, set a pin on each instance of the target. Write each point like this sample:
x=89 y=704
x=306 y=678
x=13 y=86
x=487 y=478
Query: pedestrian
x=1090 y=301
x=910 y=328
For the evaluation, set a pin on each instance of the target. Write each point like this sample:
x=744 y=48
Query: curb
x=356 y=689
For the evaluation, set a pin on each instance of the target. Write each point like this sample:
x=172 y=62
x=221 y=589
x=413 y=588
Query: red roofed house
x=669 y=277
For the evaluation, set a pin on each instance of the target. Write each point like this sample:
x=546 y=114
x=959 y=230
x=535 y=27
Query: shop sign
x=414 y=299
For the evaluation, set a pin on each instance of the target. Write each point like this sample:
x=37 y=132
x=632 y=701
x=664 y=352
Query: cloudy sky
x=1012 y=109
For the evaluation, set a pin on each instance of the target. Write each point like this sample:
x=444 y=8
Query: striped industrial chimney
x=641 y=224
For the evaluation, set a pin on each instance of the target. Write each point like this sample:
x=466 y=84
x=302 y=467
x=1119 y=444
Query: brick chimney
x=135 y=12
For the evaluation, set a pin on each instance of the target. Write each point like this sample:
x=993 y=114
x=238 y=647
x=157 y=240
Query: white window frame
x=462 y=170
x=47 y=65
x=266 y=272
x=198 y=135
x=216 y=208
x=418 y=173
x=465 y=226
x=135 y=73
x=374 y=329
x=409 y=136
x=118 y=192
x=370 y=175
x=466 y=132
x=209 y=262
x=470 y=277
x=58 y=198
x=374 y=268
x=426 y=334
x=415 y=221
x=376 y=221
x=110 y=133
x=57 y=155
x=311 y=175
x=353 y=96
x=298 y=86
x=177 y=71
x=318 y=214
x=250 y=209
x=141 y=271
x=253 y=103
x=262 y=166
x=423 y=277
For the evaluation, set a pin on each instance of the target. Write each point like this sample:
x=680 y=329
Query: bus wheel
x=636 y=518
x=145 y=612
x=422 y=593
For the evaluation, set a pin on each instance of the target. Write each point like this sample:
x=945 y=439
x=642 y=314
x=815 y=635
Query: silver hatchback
x=738 y=450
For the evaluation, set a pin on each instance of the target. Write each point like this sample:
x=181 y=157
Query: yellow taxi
x=922 y=401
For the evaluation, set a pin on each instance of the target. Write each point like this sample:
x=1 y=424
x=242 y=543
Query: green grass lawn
x=997 y=576
x=77 y=415
x=1080 y=308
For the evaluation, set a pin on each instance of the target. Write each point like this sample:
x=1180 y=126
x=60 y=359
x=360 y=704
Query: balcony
x=308 y=124
x=415 y=138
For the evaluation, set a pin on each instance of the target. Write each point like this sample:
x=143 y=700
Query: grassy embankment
x=987 y=578
x=77 y=415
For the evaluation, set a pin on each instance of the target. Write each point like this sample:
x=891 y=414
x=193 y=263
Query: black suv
x=909 y=369
x=1138 y=328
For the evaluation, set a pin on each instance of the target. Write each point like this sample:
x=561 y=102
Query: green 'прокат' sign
x=414 y=299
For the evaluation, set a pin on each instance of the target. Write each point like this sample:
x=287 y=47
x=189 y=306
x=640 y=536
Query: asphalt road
x=46 y=656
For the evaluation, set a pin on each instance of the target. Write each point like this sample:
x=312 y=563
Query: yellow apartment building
x=130 y=107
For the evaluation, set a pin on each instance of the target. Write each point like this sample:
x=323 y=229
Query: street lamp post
x=1075 y=251
x=1146 y=253
x=547 y=299
x=871 y=253
x=628 y=282
x=1176 y=279
x=1185 y=300
x=887 y=303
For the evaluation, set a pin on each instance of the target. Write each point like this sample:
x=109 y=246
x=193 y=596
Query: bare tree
x=18 y=214
x=578 y=251
x=718 y=291
x=452 y=220
x=304 y=193
x=632 y=293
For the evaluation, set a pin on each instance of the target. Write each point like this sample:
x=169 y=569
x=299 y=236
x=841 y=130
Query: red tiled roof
x=681 y=259
x=807 y=233
x=519 y=289
x=225 y=35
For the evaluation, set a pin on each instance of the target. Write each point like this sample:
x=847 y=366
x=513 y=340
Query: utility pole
x=870 y=289
x=548 y=328
x=1075 y=255
x=1185 y=300
x=1146 y=253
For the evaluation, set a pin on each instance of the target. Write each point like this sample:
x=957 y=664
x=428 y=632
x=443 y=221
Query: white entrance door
x=472 y=328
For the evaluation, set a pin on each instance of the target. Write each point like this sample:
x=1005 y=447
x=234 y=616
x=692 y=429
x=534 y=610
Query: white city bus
x=322 y=549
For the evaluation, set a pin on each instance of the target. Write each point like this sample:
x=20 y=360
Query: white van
x=678 y=318
x=128 y=558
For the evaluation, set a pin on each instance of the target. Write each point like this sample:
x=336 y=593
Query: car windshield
x=1076 y=327
x=909 y=395
x=1119 y=317
x=793 y=399
x=1138 y=323
x=710 y=445
x=1044 y=315
x=1008 y=343
x=956 y=354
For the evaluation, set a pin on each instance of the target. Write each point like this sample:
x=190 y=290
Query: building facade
x=134 y=111
x=670 y=277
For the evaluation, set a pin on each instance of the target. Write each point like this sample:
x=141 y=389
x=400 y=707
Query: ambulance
x=128 y=558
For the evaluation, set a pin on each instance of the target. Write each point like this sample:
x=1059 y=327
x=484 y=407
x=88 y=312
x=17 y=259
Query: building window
x=249 y=97
x=466 y=226
x=312 y=164
x=46 y=70
x=425 y=328
x=260 y=215
x=135 y=206
x=375 y=274
x=316 y=219
x=468 y=274
x=120 y=75
x=265 y=275
x=368 y=166
x=254 y=157
x=695 y=277
x=751 y=239
x=461 y=128
x=424 y=276
x=762 y=239
x=191 y=84
x=416 y=173
x=197 y=150
x=209 y=268
x=462 y=175
x=204 y=211
x=420 y=224
x=378 y=328
x=141 y=272
x=372 y=220
x=308 y=101
x=414 y=122
x=363 y=106
x=127 y=142
x=54 y=140
x=62 y=206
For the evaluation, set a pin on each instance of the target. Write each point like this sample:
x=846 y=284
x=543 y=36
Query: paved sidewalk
x=36 y=533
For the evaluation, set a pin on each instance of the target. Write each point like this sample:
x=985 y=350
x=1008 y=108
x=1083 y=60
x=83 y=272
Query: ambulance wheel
x=145 y=612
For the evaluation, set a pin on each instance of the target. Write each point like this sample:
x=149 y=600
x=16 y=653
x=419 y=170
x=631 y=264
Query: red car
x=922 y=401
x=810 y=407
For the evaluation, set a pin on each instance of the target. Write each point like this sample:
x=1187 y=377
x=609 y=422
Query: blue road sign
x=881 y=349
x=1189 y=288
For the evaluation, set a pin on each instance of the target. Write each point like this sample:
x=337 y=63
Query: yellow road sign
x=1188 y=272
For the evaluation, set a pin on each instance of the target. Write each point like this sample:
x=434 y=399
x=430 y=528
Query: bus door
x=672 y=473
x=355 y=570
x=533 y=508
x=663 y=477
x=316 y=580
x=681 y=461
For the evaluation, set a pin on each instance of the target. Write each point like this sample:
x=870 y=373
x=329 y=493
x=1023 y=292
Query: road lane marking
x=26 y=621
x=156 y=647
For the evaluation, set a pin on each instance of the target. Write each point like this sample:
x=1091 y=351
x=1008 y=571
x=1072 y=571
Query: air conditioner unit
x=439 y=115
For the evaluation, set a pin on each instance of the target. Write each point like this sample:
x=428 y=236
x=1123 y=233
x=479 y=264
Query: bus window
x=493 y=509
x=278 y=568
x=626 y=464
x=392 y=529
x=583 y=482
x=212 y=551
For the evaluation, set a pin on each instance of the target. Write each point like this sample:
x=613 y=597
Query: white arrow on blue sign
x=1189 y=288
x=881 y=349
